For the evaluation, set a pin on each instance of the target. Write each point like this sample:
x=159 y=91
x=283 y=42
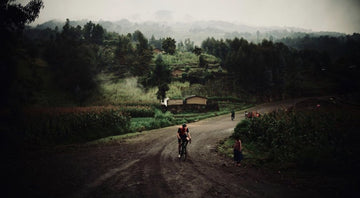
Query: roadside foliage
x=68 y=124
x=319 y=138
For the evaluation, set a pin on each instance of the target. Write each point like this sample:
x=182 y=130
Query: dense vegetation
x=270 y=70
x=315 y=135
x=232 y=67
x=314 y=143
x=86 y=65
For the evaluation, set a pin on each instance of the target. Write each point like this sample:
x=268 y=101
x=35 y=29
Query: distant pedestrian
x=237 y=151
x=232 y=114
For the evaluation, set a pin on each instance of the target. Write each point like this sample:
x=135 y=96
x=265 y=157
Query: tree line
x=77 y=54
x=69 y=58
x=36 y=63
x=269 y=70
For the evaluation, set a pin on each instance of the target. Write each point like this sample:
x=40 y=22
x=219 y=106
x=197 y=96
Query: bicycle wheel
x=183 y=153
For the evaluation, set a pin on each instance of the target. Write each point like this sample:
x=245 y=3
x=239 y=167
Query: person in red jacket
x=237 y=151
x=183 y=134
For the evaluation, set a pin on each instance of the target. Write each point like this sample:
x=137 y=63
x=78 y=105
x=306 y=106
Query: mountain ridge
x=197 y=31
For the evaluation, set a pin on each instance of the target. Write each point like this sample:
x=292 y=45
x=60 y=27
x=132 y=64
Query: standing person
x=183 y=134
x=237 y=151
x=232 y=114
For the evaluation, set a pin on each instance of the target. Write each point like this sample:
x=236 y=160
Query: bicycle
x=183 y=150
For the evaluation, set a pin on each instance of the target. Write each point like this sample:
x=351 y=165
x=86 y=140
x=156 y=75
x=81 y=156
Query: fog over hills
x=197 y=31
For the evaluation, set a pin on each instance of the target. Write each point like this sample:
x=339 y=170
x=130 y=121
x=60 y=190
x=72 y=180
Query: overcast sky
x=317 y=15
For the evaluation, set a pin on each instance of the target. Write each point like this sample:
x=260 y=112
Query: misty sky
x=317 y=15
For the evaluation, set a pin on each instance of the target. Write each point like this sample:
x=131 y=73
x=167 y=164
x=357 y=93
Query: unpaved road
x=146 y=166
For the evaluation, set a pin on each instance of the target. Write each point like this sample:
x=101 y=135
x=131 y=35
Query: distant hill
x=197 y=31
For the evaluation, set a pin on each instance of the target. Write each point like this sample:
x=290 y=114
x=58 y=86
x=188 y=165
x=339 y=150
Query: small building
x=177 y=73
x=175 y=102
x=157 y=51
x=190 y=104
x=198 y=100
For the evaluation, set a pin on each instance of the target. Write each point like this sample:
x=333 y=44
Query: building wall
x=196 y=100
x=192 y=108
x=175 y=102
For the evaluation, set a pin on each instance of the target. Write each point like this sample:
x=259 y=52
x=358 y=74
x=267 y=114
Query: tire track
x=85 y=191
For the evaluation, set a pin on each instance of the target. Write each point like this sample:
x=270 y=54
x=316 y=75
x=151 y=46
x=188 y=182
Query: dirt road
x=146 y=166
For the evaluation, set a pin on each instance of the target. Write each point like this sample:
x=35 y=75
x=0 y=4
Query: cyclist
x=183 y=134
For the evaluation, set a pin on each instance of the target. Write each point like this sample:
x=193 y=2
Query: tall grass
x=177 y=89
x=187 y=58
x=121 y=91
x=181 y=58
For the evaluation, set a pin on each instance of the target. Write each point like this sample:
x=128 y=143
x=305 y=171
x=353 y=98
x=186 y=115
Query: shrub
x=242 y=130
x=159 y=120
x=309 y=139
x=162 y=119
x=137 y=111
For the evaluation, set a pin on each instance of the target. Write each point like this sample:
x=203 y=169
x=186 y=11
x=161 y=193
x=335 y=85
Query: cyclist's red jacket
x=182 y=132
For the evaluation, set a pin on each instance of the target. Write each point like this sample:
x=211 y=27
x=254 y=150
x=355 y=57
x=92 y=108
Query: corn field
x=68 y=125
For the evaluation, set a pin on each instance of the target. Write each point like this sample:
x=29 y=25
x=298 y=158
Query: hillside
x=197 y=31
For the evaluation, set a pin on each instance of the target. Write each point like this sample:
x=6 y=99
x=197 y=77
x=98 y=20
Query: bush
x=138 y=111
x=162 y=119
x=309 y=139
x=159 y=120
x=242 y=130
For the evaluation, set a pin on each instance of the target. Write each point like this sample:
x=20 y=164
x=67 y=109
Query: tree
x=202 y=62
x=70 y=33
x=98 y=34
x=144 y=55
x=189 y=45
x=141 y=42
x=135 y=60
x=197 y=50
x=181 y=46
x=160 y=77
x=169 y=45
x=13 y=18
x=73 y=63
x=217 y=48
x=123 y=54
x=156 y=43
x=88 y=31
x=93 y=33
